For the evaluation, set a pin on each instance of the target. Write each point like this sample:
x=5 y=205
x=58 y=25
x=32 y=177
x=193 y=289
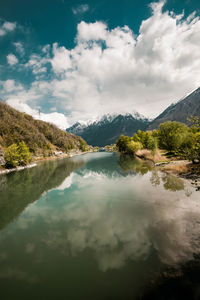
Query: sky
x=66 y=61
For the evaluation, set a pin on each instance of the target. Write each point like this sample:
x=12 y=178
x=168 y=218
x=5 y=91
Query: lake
x=98 y=226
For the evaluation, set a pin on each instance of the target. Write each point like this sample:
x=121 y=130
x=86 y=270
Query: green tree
x=122 y=143
x=172 y=135
x=152 y=143
x=24 y=154
x=190 y=149
x=133 y=147
x=16 y=155
x=12 y=156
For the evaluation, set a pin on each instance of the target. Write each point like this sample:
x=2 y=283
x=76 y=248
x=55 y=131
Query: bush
x=133 y=147
x=172 y=135
x=190 y=148
x=12 y=156
x=16 y=155
x=24 y=154
x=122 y=143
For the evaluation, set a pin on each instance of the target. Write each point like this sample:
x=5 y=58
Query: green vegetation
x=41 y=138
x=140 y=140
x=174 y=137
x=17 y=155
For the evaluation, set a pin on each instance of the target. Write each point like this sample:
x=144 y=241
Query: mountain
x=38 y=135
x=180 y=111
x=109 y=128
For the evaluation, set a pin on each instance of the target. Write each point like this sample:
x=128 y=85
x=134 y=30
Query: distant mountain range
x=180 y=111
x=108 y=129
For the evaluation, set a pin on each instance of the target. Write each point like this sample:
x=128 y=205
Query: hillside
x=38 y=135
x=109 y=128
x=180 y=111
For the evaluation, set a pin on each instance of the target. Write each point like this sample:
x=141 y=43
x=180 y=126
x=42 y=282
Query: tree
x=172 y=135
x=190 y=149
x=12 y=156
x=16 y=155
x=122 y=143
x=133 y=147
x=24 y=154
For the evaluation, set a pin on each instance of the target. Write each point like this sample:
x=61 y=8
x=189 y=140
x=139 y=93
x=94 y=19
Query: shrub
x=16 y=155
x=12 y=156
x=133 y=147
x=24 y=154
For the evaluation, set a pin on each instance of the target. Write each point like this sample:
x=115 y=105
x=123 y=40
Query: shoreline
x=35 y=162
x=184 y=170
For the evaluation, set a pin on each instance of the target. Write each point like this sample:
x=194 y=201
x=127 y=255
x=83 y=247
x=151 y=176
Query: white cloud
x=12 y=59
x=19 y=48
x=6 y=27
x=80 y=9
x=115 y=71
x=61 y=59
x=91 y=31
x=37 y=64
x=10 y=86
x=58 y=119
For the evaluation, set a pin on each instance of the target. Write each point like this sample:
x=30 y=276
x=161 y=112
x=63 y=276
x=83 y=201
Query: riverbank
x=185 y=170
x=39 y=159
x=181 y=168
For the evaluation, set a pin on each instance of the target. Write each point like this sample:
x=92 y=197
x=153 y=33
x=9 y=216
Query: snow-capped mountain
x=107 y=129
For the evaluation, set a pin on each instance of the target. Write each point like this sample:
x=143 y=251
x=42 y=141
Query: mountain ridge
x=179 y=111
x=109 y=127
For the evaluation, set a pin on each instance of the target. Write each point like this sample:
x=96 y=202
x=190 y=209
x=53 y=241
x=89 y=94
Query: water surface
x=95 y=226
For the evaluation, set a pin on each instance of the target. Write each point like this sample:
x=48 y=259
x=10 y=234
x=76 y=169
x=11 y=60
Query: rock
x=2 y=161
x=198 y=188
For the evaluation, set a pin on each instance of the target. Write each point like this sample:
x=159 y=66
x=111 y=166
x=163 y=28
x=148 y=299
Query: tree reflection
x=18 y=189
x=172 y=183
x=128 y=163
x=155 y=178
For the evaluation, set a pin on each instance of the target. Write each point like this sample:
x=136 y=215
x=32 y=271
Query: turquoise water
x=95 y=226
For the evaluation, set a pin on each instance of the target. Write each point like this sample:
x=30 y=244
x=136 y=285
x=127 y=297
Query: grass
x=157 y=157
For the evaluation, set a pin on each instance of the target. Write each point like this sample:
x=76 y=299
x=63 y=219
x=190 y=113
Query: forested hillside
x=38 y=135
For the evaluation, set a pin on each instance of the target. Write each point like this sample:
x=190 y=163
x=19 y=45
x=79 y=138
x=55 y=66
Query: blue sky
x=77 y=60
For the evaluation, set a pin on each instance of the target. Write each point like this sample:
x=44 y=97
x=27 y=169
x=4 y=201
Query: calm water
x=95 y=226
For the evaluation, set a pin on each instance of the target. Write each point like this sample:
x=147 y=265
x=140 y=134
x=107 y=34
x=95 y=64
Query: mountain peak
x=106 y=129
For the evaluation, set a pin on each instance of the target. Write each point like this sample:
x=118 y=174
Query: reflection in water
x=111 y=217
x=127 y=163
x=18 y=189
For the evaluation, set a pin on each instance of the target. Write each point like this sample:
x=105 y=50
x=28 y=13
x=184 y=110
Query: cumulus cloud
x=12 y=59
x=61 y=60
x=6 y=27
x=117 y=71
x=58 y=119
x=10 y=86
x=37 y=64
x=21 y=99
x=80 y=9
